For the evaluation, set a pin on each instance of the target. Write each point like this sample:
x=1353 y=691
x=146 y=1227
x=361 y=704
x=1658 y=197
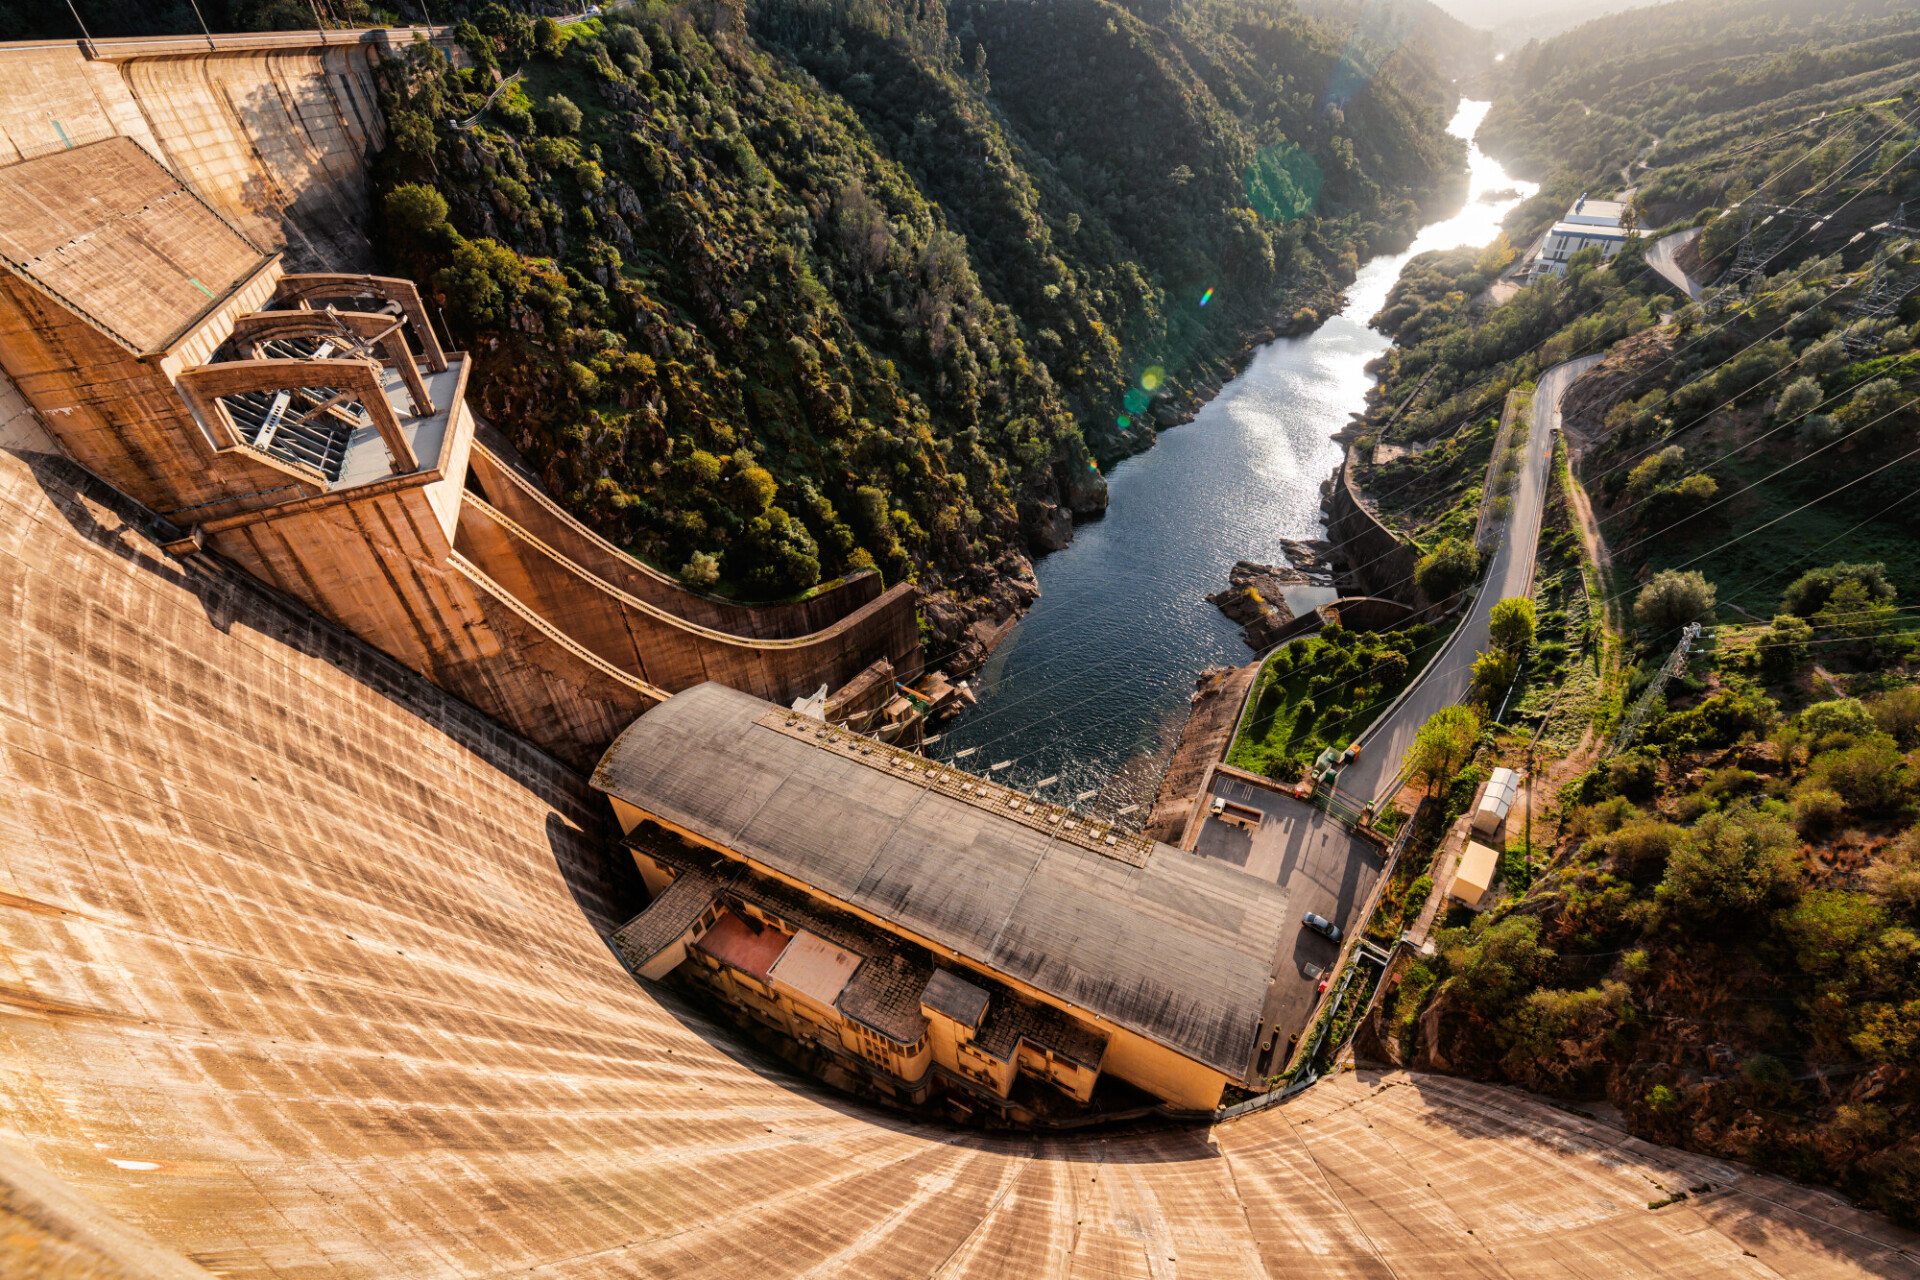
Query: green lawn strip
x=1348 y=678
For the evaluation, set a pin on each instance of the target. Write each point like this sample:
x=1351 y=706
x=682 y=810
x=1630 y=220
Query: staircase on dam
x=310 y=428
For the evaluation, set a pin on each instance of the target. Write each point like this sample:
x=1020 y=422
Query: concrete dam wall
x=303 y=958
x=272 y=130
x=306 y=975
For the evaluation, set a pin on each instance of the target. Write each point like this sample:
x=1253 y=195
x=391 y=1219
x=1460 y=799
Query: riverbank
x=1092 y=685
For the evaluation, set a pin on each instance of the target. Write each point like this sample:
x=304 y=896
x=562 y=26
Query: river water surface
x=1092 y=686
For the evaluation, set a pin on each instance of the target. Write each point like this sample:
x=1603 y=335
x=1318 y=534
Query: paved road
x=1660 y=258
x=1447 y=677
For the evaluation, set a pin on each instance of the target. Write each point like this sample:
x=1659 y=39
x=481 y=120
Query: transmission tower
x=1637 y=718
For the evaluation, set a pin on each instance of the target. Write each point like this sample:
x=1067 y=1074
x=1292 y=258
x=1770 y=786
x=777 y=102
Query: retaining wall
x=517 y=496
x=1378 y=560
x=272 y=130
x=645 y=641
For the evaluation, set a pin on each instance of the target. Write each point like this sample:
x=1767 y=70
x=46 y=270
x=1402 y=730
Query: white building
x=1589 y=224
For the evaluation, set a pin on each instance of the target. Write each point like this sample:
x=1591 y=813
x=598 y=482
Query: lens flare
x=1206 y=297
x=1136 y=401
x=1124 y=421
x=1152 y=377
x=1283 y=182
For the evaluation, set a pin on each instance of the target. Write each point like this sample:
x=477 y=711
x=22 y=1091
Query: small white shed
x=1501 y=791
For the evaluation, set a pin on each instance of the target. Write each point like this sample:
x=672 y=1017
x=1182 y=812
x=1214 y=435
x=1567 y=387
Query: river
x=1092 y=687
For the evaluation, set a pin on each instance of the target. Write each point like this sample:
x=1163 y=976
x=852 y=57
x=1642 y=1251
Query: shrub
x=1820 y=428
x=513 y=117
x=1673 y=599
x=1871 y=404
x=1802 y=396
x=1852 y=614
x=1719 y=721
x=1601 y=818
x=1448 y=568
x=1679 y=501
x=1835 y=723
x=1897 y=712
x=702 y=570
x=1768 y=1078
x=1827 y=926
x=558 y=116
x=1893 y=878
x=1869 y=777
x=1811 y=590
x=549 y=37
x=1500 y=964
x=1732 y=866
x=1655 y=470
x=1643 y=844
x=1817 y=811
x=1786 y=646
x=1417 y=894
x=1633 y=774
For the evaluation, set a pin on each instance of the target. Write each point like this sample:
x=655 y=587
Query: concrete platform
x=1323 y=867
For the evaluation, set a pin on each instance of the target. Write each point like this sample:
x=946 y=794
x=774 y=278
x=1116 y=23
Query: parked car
x=1321 y=925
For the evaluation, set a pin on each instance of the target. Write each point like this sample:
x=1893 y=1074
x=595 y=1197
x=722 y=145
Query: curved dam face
x=305 y=975
x=305 y=968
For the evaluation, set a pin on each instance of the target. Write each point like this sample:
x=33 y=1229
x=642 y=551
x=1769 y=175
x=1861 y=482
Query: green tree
x=1510 y=626
x=1852 y=614
x=1801 y=397
x=1810 y=591
x=1493 y=672
x=1447 y=569
x=1673 y=599
x=1445 y=742
x=1655 y=470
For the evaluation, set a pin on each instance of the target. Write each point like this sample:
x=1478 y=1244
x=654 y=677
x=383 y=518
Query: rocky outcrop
x=1213 y=709
x=962 y=629
x=1253 y=599
x=1047 y=525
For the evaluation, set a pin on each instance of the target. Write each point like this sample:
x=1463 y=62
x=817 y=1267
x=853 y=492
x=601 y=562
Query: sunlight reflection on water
x=1094 y=681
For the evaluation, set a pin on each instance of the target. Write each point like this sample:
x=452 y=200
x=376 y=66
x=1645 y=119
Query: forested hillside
x=1694 y=101
x=772 y=294
x=1712 y=931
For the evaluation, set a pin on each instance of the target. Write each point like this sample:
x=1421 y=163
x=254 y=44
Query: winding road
x=1447 y=678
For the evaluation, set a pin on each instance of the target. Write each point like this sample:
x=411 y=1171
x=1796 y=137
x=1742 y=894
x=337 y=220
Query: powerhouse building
x=926 y=931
